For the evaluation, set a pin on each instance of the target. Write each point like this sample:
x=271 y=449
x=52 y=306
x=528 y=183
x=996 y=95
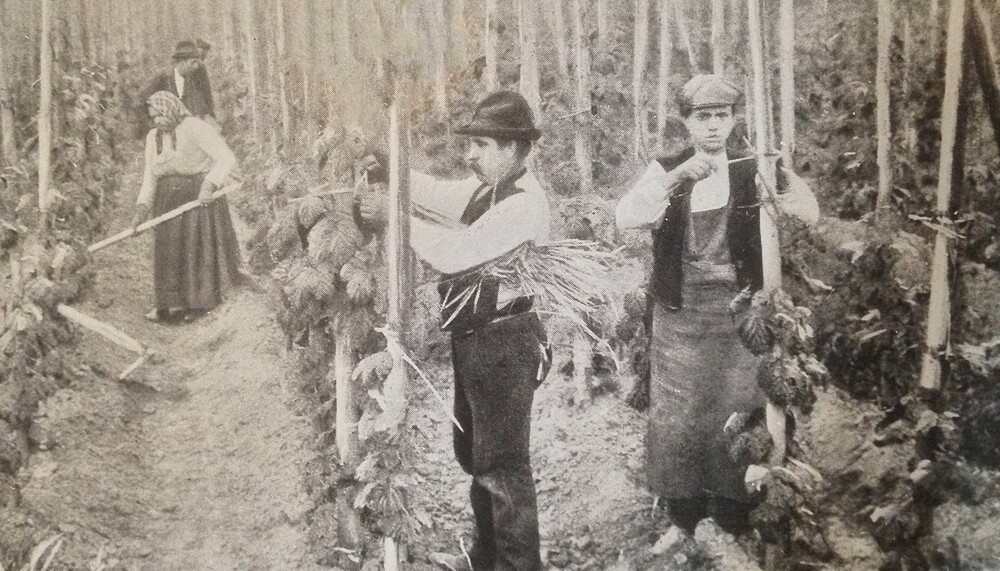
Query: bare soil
x=206 y=458
x=197 y=460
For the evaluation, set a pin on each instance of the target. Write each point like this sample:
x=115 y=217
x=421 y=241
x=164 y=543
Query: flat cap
x=502 y=115
x=707 y=90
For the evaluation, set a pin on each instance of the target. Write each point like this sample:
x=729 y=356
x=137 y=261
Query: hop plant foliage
x=781 y=332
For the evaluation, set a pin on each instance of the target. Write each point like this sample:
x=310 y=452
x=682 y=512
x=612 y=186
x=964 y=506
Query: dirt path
x=198 y=463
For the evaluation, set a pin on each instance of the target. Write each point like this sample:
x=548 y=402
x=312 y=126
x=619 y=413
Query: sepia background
x=237 y=441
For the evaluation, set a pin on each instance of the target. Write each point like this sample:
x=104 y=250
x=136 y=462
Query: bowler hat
x=502 y=115
x=186 y=50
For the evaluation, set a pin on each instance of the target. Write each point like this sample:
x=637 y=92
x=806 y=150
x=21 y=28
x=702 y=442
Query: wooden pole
x=666 y=65
x=909 y=128
x=559 y=31
x=603 y=27
x=640 y=48
x=346 y=45
x=490 y=44
x=398 y=254
x=528 y=33
x=283 y=66
x=982 y=45
x=398 y=232
x=8 y=145
x=939 y=310
x=684 y=33
x=45 y=109
x=250 y=67
x=109 y=332
x=443 y=46
x=786 y=72
x=153 y=222
x=582 y=132
x=719 y=36
x=349 y=530
x=882 y=97
x=770 y=254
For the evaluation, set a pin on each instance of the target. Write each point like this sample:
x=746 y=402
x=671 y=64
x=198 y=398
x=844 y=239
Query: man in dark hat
x=186 y=79
x=499 y=346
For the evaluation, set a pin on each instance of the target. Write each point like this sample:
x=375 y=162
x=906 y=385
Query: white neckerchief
x=712 y=192
x=179 y=80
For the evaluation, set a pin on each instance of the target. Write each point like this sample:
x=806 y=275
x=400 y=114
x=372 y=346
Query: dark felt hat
x=502 y=115
x=202 y=44
x=186 y=49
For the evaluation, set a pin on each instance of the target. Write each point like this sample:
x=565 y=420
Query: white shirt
x=712 y=192
x=644 y=205
x=453 y=247
x=179 y=80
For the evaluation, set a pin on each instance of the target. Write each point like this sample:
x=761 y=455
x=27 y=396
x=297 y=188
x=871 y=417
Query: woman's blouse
x=194 y=147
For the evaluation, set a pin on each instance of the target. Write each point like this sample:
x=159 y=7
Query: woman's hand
x=205 y=195
x=373 y=207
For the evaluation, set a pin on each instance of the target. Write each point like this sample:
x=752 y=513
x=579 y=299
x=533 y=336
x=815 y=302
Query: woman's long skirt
x=195 y=256
x=700 y=374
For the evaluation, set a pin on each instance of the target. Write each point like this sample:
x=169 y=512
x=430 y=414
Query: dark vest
x=743 y=233
x=482 y=307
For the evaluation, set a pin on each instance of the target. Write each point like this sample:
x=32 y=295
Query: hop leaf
x=340 y=246
x=309 y=283
x=310 y=211
x=755 y=333
x=373 y=369
x=283 y=237
x=359 y=280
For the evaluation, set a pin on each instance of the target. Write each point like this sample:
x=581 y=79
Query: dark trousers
x=731 y=515
x=497 y=368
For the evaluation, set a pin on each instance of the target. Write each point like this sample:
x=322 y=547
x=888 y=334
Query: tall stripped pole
x=786 y=27
x=684 y=33
x=641 y=51
x=770 y=253
x=491 y=45
x=280 y=40
x=581 y=140
x=666 y=64
x=718 y=36
x=528 y=34
x=559 y=32
x=441 y=50
x=986 y=56
x=45 y=109
x=939 y=308
x=882 y=114
x=8 y=148
x=250 y=47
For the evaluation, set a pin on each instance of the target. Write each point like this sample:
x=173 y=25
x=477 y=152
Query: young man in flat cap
x=499 y=347
x=702 y=206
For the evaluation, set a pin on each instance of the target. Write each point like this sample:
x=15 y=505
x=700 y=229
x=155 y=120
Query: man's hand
x=205 y=194
x=141 y=213
x=694 y=169
x=373 y=207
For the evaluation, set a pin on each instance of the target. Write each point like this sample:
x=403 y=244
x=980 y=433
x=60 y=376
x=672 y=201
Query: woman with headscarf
x=195 y=256
x=701 y=202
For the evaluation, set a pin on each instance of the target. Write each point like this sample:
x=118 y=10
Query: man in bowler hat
x=499 y=346
x=184 y=80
